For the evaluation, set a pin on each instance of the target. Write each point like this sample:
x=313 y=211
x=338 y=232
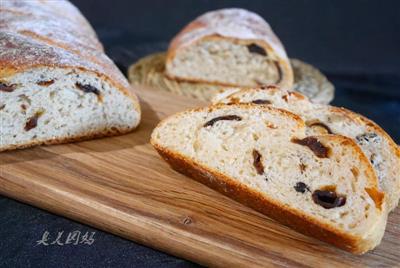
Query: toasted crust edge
x=76 y=138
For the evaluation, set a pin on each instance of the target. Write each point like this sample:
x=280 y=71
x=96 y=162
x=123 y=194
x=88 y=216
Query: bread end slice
x=258 y=202
x=347 y=227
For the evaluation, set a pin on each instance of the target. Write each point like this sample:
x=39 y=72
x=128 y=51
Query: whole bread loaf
x=233 y=47
x=320 y=185
x=376 y=144
x=56 y=83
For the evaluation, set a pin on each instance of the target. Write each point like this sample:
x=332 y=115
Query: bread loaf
x=376 y=144
x=233 y=47
x=321 y=185
x=56 y=83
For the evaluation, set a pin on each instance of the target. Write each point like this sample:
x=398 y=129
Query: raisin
x=45 y=83
x=317 y=147
x=7 y=88
x=302 y=167
x=225 y=117
x=328 y=199
x=278 y=67
x=301 y=187
x=256 y=49
x=257 y=162
x=31 y=123
x=261 y=101
x=87 y=88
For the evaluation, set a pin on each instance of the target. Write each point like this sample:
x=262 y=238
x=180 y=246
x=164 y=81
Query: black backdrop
x=356 y=44
x=338 y=36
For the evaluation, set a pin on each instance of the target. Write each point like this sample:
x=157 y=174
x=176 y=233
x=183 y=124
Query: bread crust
x=76 y=138
x=253 y=29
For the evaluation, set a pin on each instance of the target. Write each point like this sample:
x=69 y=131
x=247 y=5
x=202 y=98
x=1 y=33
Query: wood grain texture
x=121 y=185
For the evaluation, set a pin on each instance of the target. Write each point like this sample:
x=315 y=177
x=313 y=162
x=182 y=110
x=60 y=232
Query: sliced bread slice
x=322 y=186
x=376 y=144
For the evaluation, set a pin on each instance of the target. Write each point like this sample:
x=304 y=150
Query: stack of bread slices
x=325 y=171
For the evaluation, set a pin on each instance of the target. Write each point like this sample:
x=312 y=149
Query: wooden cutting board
x=121 y=185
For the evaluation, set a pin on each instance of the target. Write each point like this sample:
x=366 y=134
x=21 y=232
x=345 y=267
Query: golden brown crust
x=77 y=138
x=259 y=202
x=251 y=29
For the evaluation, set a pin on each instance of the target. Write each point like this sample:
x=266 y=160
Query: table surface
x=24 y=228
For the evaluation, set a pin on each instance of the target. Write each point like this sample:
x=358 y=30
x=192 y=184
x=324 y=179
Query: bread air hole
x=319 y=127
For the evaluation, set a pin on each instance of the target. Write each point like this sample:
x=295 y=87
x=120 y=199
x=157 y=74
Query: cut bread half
x=232 y=47
x=56 y=83
x=376 y=144
x=322 y=186
x=57 y=105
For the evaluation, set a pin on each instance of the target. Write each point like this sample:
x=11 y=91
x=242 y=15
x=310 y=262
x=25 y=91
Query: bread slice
x=150 y=71
x=322 y=186
x=376 y=144
x=233 y=47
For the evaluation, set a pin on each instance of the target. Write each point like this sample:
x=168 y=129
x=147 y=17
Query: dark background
x=339 y=36
x=355 y=43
